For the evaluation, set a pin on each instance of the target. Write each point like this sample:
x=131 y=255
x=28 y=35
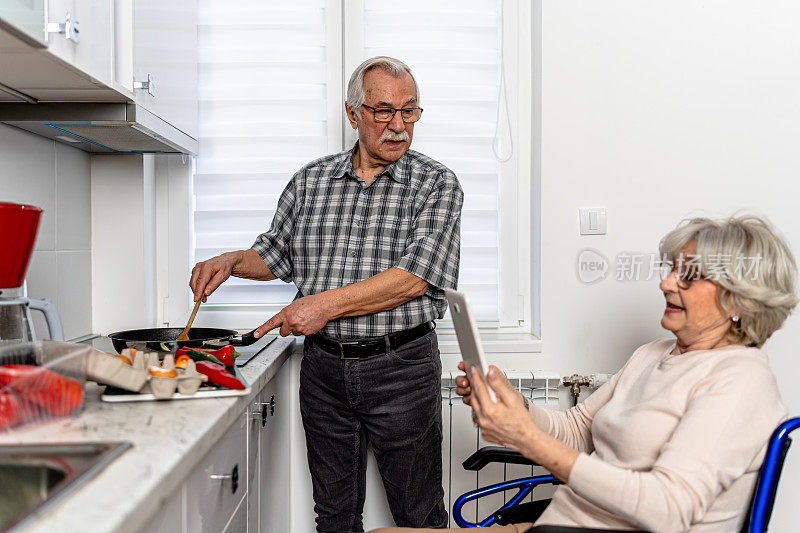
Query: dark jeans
x=392 y=401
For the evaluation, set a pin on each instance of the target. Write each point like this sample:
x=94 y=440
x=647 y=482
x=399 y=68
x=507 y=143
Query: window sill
x=494 y=343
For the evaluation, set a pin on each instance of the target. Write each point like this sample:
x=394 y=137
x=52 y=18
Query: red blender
x=18 y=227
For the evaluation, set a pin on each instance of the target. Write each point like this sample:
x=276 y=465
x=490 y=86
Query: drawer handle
x=233 y=476
x=267 y=410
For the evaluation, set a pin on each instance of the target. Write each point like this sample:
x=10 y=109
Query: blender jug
x=18 y=227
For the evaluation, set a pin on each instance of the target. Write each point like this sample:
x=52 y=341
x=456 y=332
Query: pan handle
x=245 y=339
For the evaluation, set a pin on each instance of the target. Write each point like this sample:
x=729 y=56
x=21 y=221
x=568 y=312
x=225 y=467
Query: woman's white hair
x=355 y=87
x=749 y=262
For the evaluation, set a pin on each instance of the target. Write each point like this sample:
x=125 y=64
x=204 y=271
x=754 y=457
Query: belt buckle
x=341 y=350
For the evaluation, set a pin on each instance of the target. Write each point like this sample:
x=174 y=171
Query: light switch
x=593 y=220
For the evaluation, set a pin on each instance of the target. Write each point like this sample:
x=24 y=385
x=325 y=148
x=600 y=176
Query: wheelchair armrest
x=495 y=454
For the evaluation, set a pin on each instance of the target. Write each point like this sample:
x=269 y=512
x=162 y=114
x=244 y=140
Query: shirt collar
x=399 y=170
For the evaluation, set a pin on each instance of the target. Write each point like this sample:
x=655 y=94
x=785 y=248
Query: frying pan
x=163 y=339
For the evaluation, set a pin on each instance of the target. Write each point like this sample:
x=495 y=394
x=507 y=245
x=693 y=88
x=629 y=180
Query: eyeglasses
x=684 y=273
x=386 y=114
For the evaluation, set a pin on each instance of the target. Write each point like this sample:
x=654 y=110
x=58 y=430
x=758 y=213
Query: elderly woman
x=674 y=441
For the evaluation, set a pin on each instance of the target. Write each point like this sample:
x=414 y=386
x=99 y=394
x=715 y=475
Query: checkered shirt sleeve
x=434 y=252
x=273 y=245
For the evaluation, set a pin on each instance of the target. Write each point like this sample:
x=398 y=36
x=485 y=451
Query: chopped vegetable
x=218 y=375
x=225 y=355
x=181 y=360
x=15 y=410
x=158 y=372
x=55 y=393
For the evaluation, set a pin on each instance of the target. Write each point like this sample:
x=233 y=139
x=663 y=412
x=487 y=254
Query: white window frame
x=519 y=195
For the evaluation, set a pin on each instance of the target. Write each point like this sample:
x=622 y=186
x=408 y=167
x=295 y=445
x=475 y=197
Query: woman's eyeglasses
x=685 y=273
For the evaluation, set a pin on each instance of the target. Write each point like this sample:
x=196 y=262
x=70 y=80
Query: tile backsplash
x=57 y=178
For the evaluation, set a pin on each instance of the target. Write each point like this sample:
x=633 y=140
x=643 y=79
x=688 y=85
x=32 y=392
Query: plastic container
x=18 y=226
x=40 y=381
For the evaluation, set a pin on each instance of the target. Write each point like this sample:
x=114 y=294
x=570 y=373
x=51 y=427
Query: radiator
x=461 y=439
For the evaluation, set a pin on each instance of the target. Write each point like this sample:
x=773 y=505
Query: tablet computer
x=469 y=340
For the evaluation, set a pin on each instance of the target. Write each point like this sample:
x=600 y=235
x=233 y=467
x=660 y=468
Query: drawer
x=210 y=496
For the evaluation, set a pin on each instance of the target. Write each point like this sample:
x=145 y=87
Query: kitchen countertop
x=169 y=438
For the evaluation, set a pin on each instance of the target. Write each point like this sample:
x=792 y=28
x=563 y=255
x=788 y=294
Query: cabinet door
x=258 y=417
x=169 y=517
x=92 y=53
x=275 y=458
x=165 y=56
x=218 y=483
x=25 y=17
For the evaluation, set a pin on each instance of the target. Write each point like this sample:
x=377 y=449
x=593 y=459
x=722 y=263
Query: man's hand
x=208 y=275
x=304 y=316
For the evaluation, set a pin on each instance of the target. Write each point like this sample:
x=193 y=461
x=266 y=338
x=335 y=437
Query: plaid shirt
x=331 y=229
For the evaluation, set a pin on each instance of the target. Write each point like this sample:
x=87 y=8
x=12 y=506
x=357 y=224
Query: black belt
x=359 y=349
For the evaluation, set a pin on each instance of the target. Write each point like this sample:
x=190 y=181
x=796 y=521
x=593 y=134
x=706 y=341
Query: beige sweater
x=670 y=443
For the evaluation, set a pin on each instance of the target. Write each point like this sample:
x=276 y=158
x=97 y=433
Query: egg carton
x=137 y=377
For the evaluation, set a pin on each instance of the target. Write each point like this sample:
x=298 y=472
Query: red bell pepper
x=55 y=393
x=218 y=375
x=15 y=410
x=225 y=355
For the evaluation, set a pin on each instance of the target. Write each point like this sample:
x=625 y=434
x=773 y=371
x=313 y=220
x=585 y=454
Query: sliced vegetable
x=225 y=355
x=181 y=360
x=15 y=410
x=197 y=355
x=158 y=372
x=218 y=375
x=55 y=393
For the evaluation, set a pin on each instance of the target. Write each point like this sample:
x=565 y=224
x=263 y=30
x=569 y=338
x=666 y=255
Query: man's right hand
x=210 y=274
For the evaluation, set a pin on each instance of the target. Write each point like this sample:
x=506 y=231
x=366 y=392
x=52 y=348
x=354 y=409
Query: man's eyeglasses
x=386 y=114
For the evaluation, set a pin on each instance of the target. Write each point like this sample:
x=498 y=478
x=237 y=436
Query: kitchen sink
x=34 y=477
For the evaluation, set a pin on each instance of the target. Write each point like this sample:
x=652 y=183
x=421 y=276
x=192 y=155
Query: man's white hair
x=393 y=67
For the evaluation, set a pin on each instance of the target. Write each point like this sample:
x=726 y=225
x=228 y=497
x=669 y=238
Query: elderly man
x=370 y=237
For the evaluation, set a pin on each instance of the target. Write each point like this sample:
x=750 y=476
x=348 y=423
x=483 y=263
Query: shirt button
x=353 y=254
x=358 y=224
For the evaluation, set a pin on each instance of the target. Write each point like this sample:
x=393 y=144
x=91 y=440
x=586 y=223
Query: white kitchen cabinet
x=165 y=61
x=89 y=49
x=218 y=483
x=169 y=517
x=275 y=455
x=25 y=17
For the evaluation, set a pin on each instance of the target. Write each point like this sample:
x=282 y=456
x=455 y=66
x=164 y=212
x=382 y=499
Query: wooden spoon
x=185 y=335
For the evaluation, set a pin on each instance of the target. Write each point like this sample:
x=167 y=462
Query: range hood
x=108 y=128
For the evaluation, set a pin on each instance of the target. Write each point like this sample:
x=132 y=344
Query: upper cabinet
x=165 y=60
x=80 y=33
x=140 y=53
x=24 y=17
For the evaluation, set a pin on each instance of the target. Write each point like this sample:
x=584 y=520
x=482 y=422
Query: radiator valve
x=575 y=382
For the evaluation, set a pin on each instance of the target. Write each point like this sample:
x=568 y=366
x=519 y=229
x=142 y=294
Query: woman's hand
x=462 y=385
x=506 y=422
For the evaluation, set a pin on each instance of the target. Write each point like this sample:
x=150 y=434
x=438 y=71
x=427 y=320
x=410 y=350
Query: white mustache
x=392 y=136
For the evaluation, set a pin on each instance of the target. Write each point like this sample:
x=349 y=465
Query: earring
x=735 y=318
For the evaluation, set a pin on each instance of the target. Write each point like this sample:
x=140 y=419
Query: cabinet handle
x=233 y=476
x=267 y=410
x=70 y=28
x=149 y=85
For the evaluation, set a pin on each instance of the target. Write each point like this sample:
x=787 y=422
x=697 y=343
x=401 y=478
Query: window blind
x=263 y=114
x=453 y=48
x=272 y=82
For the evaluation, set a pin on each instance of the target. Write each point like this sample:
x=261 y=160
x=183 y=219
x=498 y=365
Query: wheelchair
x=756 y=520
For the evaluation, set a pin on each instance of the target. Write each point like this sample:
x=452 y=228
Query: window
x=272 y=87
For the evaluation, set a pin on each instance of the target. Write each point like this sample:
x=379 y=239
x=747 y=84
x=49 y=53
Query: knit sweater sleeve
x=574 y=426
x=729 y=418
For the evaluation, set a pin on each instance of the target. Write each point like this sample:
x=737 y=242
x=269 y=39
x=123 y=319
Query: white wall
x=55 y=177
x=659 y=111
